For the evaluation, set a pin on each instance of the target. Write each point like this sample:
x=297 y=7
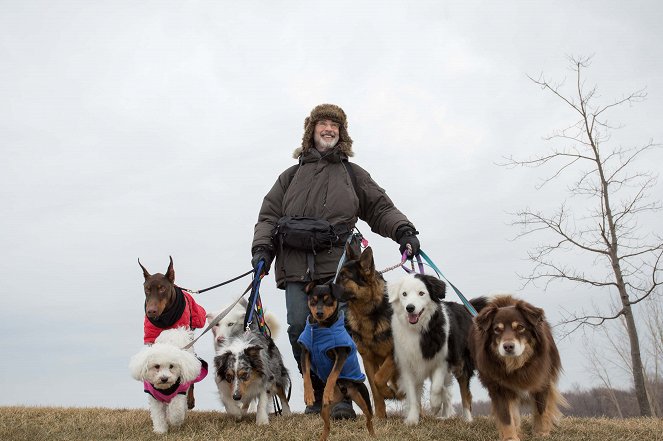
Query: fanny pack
x=308 y=233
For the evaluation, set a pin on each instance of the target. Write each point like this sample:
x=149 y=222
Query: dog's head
x=416 y=296
x=241 y=366
x=230 y=325
x=511 y=327
x=358 y=277
x=163 y=365
x=323 y=302
x=159 y=290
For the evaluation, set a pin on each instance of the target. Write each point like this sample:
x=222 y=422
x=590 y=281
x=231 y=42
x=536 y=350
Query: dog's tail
x=479 y=303
x=273 y=324
x=363 y=391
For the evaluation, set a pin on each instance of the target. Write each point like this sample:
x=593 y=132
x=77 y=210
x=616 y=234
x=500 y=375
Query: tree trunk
x=636 y=359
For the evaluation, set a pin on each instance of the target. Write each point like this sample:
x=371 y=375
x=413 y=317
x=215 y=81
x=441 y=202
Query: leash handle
x=460 y=295
x=407 y=253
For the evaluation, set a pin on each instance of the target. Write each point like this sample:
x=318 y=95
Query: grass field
x=86 y=424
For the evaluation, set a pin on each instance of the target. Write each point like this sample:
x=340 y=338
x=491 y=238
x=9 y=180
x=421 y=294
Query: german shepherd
x=328 y=350
x=369 y=319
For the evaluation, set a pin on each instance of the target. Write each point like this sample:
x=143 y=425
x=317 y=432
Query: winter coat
x=193 y=317
x=318 y=340
x=178 y=389
x=321 y=187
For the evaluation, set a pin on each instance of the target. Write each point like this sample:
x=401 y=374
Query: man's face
x=325 y=135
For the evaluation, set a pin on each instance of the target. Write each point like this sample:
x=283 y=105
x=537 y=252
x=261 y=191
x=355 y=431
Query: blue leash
x=253 y=297
x=460 y=295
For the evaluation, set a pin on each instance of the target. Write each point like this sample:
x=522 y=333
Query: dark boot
x=343 y=410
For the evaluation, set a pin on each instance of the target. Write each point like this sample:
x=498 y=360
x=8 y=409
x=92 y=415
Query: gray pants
x=296 y=306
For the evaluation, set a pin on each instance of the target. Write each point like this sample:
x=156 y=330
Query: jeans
x=296 y=306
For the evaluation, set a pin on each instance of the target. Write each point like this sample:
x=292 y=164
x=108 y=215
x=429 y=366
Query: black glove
x=407 y=235
x=264 y=254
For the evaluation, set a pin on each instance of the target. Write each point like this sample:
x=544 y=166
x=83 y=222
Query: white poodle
x=167 y=371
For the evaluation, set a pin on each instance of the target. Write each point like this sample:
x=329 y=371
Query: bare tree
x=599 y=219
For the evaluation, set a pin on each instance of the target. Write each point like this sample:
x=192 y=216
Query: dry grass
x=73 y=424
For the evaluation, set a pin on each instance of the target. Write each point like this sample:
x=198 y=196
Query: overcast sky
x=147 y=129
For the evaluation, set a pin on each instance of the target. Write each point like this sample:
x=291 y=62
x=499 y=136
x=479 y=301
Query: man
x=323 y=185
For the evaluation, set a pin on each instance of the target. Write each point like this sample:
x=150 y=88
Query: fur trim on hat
x=321 y=112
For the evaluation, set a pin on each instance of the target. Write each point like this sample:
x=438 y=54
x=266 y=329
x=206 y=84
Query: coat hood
x=320 y=112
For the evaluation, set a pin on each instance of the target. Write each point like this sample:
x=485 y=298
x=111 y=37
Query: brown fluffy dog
x=324 y=319
x=516 y=356
x=369 y=319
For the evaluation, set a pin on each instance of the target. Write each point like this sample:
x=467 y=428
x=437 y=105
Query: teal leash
x=460 y=295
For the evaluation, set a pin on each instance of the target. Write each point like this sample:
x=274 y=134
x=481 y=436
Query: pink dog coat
x=166 y=396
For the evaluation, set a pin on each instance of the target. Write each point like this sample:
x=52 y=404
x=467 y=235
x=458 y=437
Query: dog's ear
x=253 y=352
x=436 y=288
x=210 y=316
x=533 y=315
x=350 y=252
x=145 y=273
x=366 y=261
x=170 y=273
x=190 y=366
x=394 y=290
x=221 y=364
x=484 y=320
x=138 y=365
x=308 y=288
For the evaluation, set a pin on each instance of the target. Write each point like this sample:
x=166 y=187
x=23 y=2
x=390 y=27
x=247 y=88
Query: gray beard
x=322 y=145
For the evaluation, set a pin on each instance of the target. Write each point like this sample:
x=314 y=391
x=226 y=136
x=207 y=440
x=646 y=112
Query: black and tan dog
x=369 y=319
x=167 y=306
x=328 y=351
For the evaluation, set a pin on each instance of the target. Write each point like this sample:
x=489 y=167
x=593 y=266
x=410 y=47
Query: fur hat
x=321 y=112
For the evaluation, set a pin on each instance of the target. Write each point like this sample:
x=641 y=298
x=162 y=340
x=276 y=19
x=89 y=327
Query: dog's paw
x=160 y=430
x=262 y=420
x=309 y=398
x=411 y=420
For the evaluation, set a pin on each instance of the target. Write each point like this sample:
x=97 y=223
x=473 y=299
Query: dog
x=167 y=372
x=516 y=357
x=249 y=366
x=167 y=306
x=369 y=320
x=328 y=350
x=431 y=342
x=233 y=324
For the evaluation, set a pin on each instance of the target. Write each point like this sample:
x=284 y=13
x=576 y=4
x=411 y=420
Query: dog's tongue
x=413 y=318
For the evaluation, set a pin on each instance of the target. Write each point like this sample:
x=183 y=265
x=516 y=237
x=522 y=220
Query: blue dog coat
x=318 y=341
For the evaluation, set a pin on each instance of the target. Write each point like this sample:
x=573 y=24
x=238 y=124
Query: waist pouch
x=308 y=233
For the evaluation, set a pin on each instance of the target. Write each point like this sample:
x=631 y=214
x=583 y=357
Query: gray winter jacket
x=321 y=187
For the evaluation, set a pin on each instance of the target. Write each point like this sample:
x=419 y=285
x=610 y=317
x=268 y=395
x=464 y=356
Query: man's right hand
x=261 y=253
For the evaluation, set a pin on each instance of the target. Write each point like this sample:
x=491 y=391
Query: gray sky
x=148 y=129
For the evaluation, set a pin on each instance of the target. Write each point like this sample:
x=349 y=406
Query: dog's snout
x=410 y=308
x=237 y=396
x=319 y=314
x=509 y=347
x=163 y=379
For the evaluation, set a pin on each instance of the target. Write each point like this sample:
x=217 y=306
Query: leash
x=430 y=263
x=460 y=295
x=345 y=249
x=217 y=285
x=219 y=317
x=255 y=304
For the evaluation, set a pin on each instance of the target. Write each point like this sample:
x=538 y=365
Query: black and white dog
x=249 y=366
x=430 y=342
